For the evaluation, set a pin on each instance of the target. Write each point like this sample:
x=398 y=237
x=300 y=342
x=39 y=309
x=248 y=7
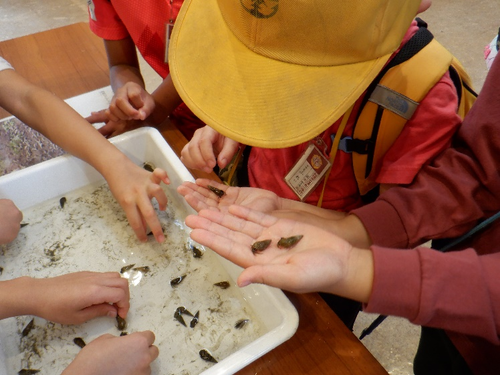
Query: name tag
x=307 y=172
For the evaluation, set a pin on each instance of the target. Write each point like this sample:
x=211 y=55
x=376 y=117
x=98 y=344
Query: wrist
x=17 y=297
x=351 y=229
x=358 y=280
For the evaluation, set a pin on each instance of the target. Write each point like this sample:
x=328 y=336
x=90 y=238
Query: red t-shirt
x=145 y=22
x=424 y=136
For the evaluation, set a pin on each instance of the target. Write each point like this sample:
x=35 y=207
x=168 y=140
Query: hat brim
x=253 y=99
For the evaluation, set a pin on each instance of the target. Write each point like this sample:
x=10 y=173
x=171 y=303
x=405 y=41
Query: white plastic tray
x=50 y=180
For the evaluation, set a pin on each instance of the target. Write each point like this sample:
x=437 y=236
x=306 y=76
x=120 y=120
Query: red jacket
x=457 y=291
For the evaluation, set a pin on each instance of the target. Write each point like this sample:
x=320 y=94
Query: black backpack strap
x=444 y=245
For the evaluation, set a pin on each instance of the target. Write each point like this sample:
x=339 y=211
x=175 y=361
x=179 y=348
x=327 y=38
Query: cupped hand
x=207 y=149
x=318 y=262
x=200 y=197
x=125 y=355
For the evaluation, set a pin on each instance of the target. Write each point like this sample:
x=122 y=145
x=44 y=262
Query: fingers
x=159 y=175
x=130 y=102
x=113 y=290
x=96 y=117
x=229 y=149
x=107 y=130
x=121 y=108
x=198 y=196
x=276 y=275
x=199 y=153
x=96 y=311
x=253 y=216
x=233 y=245
x=234 y=224
x=149 y=338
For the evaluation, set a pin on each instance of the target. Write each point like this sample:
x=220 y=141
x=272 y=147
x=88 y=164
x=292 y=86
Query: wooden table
x=70 y=61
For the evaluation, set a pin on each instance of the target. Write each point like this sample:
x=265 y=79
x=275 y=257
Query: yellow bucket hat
x=276 y=73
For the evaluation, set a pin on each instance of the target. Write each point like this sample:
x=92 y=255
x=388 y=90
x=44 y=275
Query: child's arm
x=69 y=299
x=132 y=106
x=132 y=186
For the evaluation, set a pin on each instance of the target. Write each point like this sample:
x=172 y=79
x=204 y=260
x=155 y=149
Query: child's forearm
x=346 y=226
x=15 y=297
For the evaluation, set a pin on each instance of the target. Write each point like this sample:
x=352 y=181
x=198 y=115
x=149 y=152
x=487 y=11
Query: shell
x=220 y=193
x=28 y=328
x=121 y=323
x=260 y=246
x=241 y=323
x=177 y=280
x=287 y=243
x=79 y=341
x=197 y=253
x=183 y=310
x=223 y=284
x=143 y=269
x=150 y=167
x=126 y=268
x=205 y=355
x=195 y=320
x=28 y=371
x=178 y=317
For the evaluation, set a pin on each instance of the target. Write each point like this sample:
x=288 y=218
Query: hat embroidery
x=260 y=8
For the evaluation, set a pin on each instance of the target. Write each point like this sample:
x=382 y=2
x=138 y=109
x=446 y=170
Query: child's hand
x=134 y=187
x=130 y=102
x=199 y=197
x=318 y=262
x=76 y=297
x=126 y=355
x=208 y=148
x=10 y=219
x=112 y=128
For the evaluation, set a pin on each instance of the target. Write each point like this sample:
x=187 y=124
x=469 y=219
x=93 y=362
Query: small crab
x=62 y=202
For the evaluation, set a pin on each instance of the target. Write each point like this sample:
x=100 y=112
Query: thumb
x=229 y=149
x=96 y=117
x=275 y=275
x=95 y=311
